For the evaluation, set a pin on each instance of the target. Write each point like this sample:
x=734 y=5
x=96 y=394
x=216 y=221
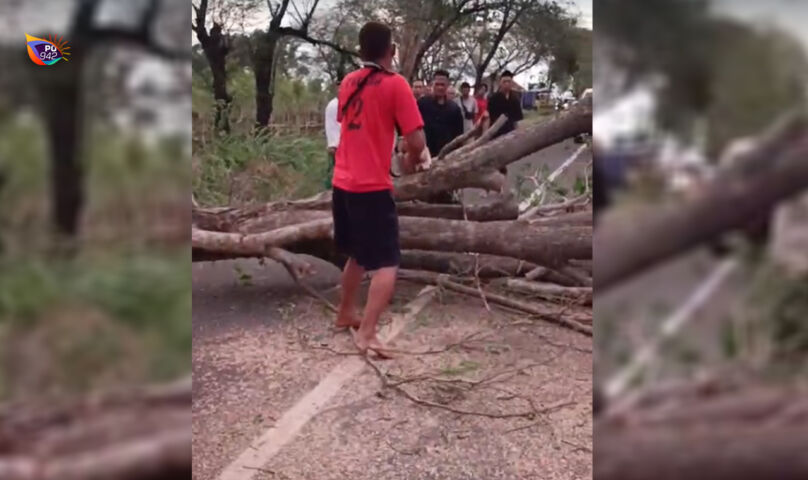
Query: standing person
x=468 y=105
x=505 y=102
x=418 y=89
x=332 y=128
x=443 y=119
x=373 y=101
x=451 y=94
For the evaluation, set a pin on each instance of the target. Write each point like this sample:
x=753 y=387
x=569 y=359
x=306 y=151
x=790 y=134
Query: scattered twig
x=295 y=267
x=577 y=447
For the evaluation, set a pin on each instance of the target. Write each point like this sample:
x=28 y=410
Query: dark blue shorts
x=366 y=227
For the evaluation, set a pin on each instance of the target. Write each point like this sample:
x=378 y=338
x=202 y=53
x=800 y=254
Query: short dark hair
x=506 y=73
x=465 y=85
x=441 y=72
x=374 y=40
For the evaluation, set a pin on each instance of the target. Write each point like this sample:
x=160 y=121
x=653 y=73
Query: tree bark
x=214 y=45
x=495 y=155
x=582 y=295
x=500 y=207
x=135 y=435
x=461 y=264
x=753 y=434
x=549 y=247
x=727 y=204
x=263 y=60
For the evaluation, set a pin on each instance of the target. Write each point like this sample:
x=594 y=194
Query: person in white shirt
x=468 y=105
x=332 y=128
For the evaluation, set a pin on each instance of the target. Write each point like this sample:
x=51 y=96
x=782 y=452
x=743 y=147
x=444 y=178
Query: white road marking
x=620 y=382
x=261 y=450
x=537 y=196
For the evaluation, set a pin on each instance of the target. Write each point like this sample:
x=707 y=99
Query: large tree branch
x=729 y=202
x=750 y=433
x=303 y=35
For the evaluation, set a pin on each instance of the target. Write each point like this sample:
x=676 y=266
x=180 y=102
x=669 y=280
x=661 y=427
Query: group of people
x=377 y=116
x=445 y=115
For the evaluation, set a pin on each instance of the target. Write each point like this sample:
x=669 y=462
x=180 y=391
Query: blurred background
x=94 y=207
x=94 y=197
x=95 y=191
x=701 y=243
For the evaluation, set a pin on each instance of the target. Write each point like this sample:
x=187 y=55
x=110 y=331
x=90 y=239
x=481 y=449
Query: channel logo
x=46 y=52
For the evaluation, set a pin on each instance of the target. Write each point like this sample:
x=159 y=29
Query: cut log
x=576 y=218
x=498 y=207
x=582 y=295
x=568 y=317
x=458 y=142
x=490 y=266
x=753 y=434
x=728 y=203
x=142 y=435
x=485 y=137
x=551 y=247
x=457 y=169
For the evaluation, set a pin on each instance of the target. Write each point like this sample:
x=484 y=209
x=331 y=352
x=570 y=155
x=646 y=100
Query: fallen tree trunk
x=564 y=316
x=490 y=266
x=135 y=435
x=576 y=218
x=458 y=142
x=582 y=295
x=485 y=137
x=753 y=434
x=544 y=246
x=456 y=170
x=499 y=207
x=727 y=203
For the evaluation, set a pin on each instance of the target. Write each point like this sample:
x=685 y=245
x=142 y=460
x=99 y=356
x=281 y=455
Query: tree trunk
x=461 y=168
x=497 y=208
x=551 y=247
x=750 y=434
x=215 y=48
x=62 y=106
x=263 y=59
x=135 y=435
x=461 y=264
x=727 y=204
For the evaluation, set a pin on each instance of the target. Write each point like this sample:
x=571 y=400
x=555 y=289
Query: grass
x=241 y=169
x=93 y=314
x=119 y=310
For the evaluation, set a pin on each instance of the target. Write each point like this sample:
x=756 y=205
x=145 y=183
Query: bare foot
x=374 y=345
x=347 y=322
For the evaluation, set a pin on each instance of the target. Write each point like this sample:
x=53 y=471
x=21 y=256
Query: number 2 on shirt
x=356 y=107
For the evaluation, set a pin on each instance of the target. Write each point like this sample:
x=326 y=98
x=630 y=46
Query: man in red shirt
x=373 y=103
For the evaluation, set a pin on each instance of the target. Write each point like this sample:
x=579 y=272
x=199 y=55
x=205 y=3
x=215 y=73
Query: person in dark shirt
x=443 y=121
x=505 y=102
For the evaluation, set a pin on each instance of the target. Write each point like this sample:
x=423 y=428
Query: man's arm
x=409 y=119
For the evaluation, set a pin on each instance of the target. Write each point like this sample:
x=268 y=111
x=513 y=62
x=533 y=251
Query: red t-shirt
x=482 y=106
x=367 y=129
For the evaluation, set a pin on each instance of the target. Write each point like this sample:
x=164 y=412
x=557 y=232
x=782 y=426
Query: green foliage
x=779 y=307
x=236 y=168
x=116 y=309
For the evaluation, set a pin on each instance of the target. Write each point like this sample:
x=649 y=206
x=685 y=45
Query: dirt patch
x=495 y=364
